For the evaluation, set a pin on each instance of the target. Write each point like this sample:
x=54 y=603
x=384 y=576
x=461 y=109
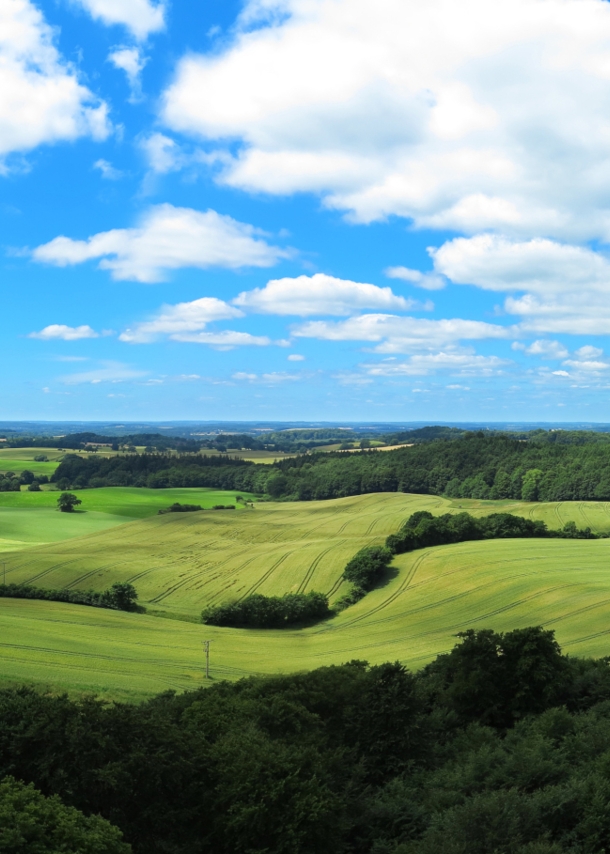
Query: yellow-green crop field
x=181 y=562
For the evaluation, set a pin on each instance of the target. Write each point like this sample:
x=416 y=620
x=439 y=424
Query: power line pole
x=206 y=649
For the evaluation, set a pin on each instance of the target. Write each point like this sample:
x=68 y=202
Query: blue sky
x=305 y=209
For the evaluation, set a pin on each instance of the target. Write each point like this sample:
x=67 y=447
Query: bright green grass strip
x=29 y=465
x=21 y=527
x=501 y=584
x=128 y=501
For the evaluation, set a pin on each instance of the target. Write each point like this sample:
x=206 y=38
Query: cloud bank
x=167 y=238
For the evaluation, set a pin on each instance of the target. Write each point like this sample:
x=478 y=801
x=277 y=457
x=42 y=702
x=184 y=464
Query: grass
x=502 y=585
x=130 y=502
x=30 y=518
x=181 y=562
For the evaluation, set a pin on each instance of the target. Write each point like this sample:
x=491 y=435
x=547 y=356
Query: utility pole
x=206 y=649
x=4 y=565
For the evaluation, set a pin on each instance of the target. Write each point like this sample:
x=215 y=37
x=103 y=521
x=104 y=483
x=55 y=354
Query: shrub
x=181 y=508
x=367 y=566
x=269 y=612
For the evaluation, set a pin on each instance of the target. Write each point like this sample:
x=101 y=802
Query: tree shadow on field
x=388 y=574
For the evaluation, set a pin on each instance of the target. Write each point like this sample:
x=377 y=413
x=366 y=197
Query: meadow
x=436 y=593
x=29 y=518
x=181 y=562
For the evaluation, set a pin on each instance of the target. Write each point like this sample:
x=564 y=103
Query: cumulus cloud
x=544 y=349
x=64 y=333
x=131 y=61
x=566 y=287
x=183 y=318
x=41 y=99
x=162 y=153
x=429 y=281
x=140 y=17
x=319 y=294
x=296 y=357
x=393 y=334
x=412 y=111
x=167 y=238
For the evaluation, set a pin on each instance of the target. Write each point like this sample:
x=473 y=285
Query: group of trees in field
x=473 y=465
x=269 y=612
x=422 y=529
x=121 y=596
x=502 y=745
x=12 y=482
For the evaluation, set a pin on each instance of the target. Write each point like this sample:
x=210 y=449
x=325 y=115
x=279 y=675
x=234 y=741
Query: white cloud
x=112 y=372
x=64 y=333
x=586 y=365
x=567 y=288
x=41 y=99
x=394 y=334
x=429 y=281
x=225 y=340
x=540 y=266
x=412 y=110
x=185 y=317
x=162 y=153
x=167 y=238
x=107 y=169
x=460 y=363
x=266 y=379
x=139 y=16
x=544 y=349
x=319 y=294
x=295 y=357
x=131 y=61
x=588 y=352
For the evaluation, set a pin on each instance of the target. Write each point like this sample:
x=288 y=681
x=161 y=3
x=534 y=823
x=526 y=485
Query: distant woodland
x=543 y=466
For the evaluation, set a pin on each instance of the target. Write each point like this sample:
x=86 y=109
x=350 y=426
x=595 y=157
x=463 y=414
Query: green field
x=181 y=562
x=28 y=518
x=437 y=592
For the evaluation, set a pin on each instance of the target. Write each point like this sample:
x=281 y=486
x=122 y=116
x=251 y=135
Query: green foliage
x=176 y=507
x=120 y=597
x=269 y=612
x=422 y=529
x=499 y=746
x=366 y=568
x=33 y=824
x=67 y=501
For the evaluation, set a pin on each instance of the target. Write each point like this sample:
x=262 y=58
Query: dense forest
x=502 y=745
x=550 y=466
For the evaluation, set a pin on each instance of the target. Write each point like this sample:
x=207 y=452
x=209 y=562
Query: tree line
x=121 y=596
x=476 y=466
x=501 y=745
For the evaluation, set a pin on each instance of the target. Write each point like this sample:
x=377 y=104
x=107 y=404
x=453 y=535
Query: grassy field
x=181 y=562
x=29 y=518
x=436 y=593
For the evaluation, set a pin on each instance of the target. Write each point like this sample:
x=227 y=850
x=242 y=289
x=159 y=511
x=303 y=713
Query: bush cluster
x=176 y=507
x=120 y=597
x=422 y=529
x=269 y=612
